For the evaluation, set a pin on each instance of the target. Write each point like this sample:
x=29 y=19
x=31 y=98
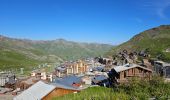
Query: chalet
x=162 y=68
x=131 y=70
x=36 y=92
x=66 y=85
x=43 y=91
x=60 y=90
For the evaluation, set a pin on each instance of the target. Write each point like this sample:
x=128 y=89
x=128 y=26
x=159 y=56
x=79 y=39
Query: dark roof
x=99 y=78
x=59 y=85
x=67 y=82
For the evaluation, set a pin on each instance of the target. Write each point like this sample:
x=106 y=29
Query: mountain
x=157 y=40
x=23 y=52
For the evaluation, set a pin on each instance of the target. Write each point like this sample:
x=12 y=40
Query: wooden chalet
x=43 y=91
x=128 y=71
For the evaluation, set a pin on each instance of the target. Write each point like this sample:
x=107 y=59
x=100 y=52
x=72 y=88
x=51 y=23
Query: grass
x=14 y=58
x=15 y=53
x=95 y=93
x=135 y=90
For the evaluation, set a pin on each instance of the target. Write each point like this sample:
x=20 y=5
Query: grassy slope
x=15 y=53
x=156 y=39
x=10 y=59
x=135 y=90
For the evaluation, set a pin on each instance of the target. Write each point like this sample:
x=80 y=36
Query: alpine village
x=138 y=69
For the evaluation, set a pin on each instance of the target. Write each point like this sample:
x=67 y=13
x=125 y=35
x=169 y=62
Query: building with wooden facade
x=128 y=71
x=43 y=91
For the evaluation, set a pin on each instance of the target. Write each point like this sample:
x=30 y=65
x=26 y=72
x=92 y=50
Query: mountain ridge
x=27 y=52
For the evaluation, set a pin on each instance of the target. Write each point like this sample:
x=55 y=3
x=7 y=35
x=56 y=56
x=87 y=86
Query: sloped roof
x=99 y=78
x=65 y=86
x=69 y=80
x=129 y=66
x=66 y=82
x=35 y=92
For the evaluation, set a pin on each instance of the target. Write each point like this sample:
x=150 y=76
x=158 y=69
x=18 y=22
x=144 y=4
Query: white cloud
x=158 y=7
x=161 y=8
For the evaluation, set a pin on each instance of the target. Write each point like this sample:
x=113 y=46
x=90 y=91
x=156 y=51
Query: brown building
x=76 y=67
x=60 y=90
x=43 y=91
x=132 y=70
x=70 y=68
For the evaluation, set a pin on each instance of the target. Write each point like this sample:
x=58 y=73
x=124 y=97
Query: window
x=124 y=73
x=140 y=70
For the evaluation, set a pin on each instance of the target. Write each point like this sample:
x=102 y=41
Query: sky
x=100 y=21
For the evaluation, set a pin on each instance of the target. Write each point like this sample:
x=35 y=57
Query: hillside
x=134 y=90
x=22 y=52
x=157 y=40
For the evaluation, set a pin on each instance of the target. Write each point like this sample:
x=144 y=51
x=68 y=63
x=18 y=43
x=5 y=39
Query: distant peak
x=60 y=39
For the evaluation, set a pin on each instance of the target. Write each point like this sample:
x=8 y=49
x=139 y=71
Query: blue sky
x=103 y=21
